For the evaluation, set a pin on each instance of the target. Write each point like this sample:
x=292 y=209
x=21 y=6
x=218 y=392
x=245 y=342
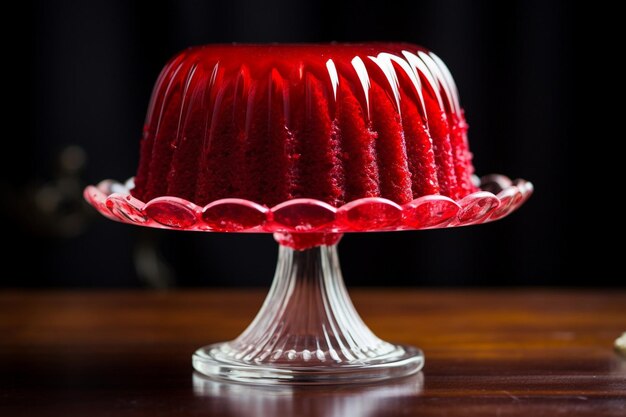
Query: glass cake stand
x=308 y=331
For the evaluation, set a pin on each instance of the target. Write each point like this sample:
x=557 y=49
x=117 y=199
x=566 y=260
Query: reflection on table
x=331 y=401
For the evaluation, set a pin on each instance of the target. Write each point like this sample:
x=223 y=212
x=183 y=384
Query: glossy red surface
x=329 y=122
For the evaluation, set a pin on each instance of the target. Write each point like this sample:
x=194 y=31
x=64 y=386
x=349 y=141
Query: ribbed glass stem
x=307 y=332
x=307 y=317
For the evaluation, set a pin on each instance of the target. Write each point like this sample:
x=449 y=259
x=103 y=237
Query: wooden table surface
x=498 y=352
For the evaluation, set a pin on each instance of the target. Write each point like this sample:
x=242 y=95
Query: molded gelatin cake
x=333 y=122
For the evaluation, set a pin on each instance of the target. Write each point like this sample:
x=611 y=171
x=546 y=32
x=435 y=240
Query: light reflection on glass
x=330 y=401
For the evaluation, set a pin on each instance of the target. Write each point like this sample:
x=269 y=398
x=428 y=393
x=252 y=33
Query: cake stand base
x=214 y=362
x=307 y=332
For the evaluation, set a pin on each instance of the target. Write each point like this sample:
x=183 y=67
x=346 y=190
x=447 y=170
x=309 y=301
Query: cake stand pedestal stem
x=307 y=331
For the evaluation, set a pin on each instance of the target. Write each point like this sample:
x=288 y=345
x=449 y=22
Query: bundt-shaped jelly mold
x=333 y=122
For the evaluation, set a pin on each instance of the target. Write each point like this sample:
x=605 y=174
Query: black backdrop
x=90 y=72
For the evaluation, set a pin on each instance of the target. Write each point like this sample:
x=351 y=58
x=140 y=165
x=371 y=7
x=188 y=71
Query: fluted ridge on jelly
x=269 y=123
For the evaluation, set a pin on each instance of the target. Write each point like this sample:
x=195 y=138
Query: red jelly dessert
x=333 y=122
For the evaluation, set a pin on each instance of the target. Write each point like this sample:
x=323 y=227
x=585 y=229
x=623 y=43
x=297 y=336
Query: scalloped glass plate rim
x=498 y=197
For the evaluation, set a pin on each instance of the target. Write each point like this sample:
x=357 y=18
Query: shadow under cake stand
x=308 y=331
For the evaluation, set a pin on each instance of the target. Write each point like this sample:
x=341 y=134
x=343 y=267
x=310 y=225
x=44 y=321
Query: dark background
x=90 y=70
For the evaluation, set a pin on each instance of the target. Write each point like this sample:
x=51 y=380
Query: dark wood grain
x=499 y=352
